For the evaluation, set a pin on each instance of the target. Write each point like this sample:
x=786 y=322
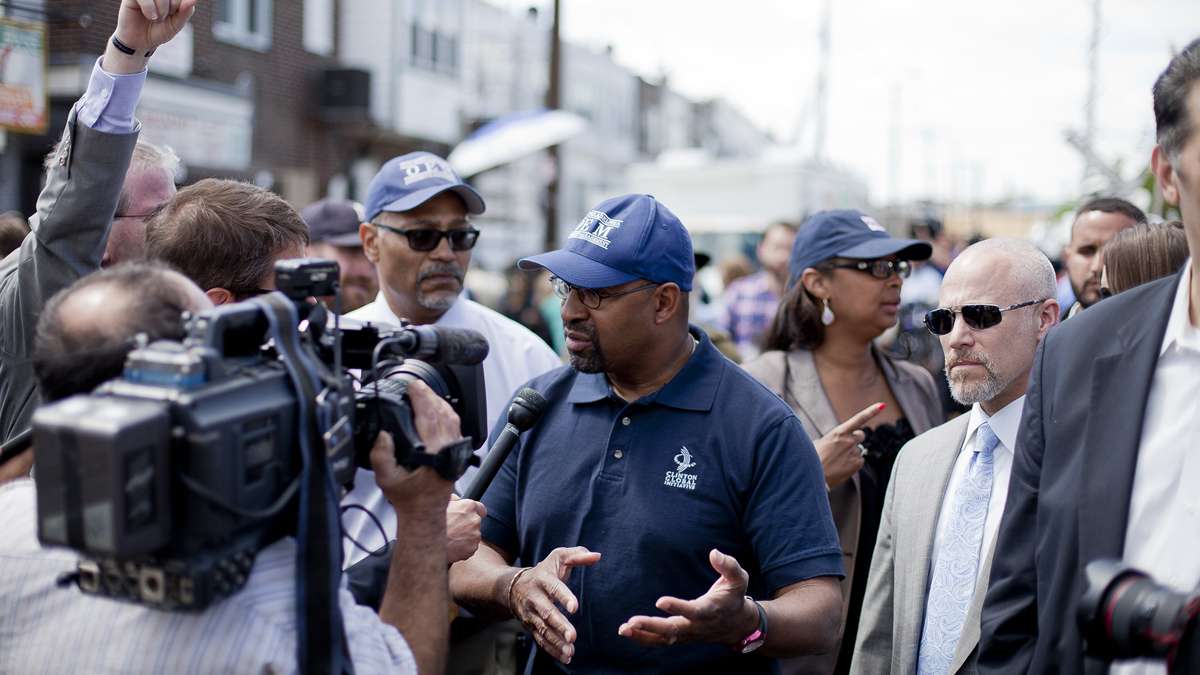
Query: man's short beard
x=440 y=301
x=591 y=361
x=967 y=393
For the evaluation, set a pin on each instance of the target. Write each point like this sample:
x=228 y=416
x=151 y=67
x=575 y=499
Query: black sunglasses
x=428 y=238
x=880 y=268
x=940 y=321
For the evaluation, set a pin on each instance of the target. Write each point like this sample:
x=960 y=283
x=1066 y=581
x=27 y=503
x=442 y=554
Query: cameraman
x=83 y=337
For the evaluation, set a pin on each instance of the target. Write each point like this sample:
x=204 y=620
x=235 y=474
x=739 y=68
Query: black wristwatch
x=451 y=462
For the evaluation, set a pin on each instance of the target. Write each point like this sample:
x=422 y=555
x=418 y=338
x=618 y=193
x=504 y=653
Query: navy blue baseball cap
x=332 y=222
x=623 y=239
x=409 y=181
x=847 y=234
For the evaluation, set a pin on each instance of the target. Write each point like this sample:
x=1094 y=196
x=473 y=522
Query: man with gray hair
x=149 y=183
x=95 y=184
x=932 y=557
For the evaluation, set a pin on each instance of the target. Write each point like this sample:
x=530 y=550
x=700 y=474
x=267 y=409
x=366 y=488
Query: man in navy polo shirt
x=665 y=497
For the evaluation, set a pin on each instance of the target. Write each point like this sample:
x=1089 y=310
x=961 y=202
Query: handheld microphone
x=525 y=411
x=368 y=577
x=444 y=345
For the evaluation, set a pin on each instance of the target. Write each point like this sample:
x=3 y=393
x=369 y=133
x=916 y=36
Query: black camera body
x=1124 y=614
x=170 y=478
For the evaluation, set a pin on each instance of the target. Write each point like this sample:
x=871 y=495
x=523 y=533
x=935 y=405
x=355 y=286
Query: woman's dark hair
x=797 y=323
x=1143 y=253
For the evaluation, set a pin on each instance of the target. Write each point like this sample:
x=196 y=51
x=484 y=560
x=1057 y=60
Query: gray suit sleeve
x=75 y=211
x=873 y=647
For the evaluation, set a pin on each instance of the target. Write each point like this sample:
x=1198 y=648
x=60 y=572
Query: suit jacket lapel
x=910 y=397
x=806 y=389
x=920 y=520
x=1121 y=379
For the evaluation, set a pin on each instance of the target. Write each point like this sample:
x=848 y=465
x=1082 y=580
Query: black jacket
x=1072 y=477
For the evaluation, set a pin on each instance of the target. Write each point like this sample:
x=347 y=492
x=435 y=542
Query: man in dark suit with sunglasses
x=1106 y=463
x=947 y=492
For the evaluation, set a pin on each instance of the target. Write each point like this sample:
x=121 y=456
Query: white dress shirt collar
x=381 y=311
x=1180 y=331
x=1005 y=423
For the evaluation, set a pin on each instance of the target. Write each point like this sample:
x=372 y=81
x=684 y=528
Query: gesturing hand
x=147 y=24
x=839 y=450
x=538 y=594
x=722 y=615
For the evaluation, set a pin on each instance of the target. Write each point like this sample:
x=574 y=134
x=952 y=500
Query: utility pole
x=897 y=131
x=554 y=102
x=1090 y=167
x=823 y=37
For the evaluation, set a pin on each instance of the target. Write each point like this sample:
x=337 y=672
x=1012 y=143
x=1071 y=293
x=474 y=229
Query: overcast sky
x=983 y=90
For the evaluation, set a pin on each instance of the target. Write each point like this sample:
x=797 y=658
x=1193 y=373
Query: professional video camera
x=1124 y=614
x=170 y=478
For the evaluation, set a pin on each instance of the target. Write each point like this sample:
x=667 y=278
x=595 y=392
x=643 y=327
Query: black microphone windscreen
x=461 y=345
x=527 y=407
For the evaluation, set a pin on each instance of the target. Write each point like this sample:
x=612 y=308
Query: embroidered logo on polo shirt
x=677 y=478
x=595 y=228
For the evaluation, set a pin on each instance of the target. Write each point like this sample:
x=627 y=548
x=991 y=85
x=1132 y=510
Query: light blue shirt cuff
x=110 y=100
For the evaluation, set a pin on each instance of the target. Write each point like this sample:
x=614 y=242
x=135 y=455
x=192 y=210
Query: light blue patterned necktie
x=957 y=566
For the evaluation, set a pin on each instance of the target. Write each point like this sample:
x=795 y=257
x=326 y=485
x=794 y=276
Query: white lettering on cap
x=872 y=224
x=426 y=168
x=595 y=228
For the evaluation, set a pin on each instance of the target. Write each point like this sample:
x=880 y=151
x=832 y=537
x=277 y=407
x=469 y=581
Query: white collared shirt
x=515 y=356
x=1162 y=536
x=1005 y=424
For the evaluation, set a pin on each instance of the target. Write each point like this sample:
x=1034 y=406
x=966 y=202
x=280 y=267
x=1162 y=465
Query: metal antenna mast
x=1089 y=107
x=822 y=94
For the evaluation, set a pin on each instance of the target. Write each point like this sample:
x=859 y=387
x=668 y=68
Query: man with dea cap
x=418 y=234
x=665 y=497
x=333 y=233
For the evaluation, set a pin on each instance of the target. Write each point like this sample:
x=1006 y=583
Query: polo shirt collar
x=694 y=387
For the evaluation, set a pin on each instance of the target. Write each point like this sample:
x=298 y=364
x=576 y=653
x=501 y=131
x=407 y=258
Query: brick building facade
x=236 y=95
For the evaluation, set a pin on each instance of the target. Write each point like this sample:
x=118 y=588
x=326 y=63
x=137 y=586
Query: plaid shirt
x=750 y=306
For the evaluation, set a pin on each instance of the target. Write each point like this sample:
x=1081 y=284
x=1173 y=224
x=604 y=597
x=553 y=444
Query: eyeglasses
x=940 y=321
x=590 y=297
x=881 y=268
x=428 y=238
x=142 y=216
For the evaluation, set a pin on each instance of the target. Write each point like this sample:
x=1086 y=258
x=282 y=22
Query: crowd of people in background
x=863 y=454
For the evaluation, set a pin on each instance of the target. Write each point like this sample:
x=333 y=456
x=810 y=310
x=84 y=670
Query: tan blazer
x=917 y=395
x=893 y=613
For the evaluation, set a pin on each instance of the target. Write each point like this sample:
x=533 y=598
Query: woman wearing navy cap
x=857 y=404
